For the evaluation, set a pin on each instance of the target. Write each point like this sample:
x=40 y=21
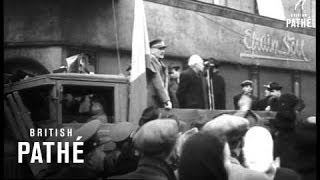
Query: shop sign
x=266 y=46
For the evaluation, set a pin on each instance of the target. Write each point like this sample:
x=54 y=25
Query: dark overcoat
x=192 y=90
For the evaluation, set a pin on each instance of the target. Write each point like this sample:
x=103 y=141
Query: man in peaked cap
x=233 y=128
x=247 y=88
x=157 y=76
x=93 y=156
x=122 y=159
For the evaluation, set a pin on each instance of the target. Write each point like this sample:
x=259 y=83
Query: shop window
x=80 y=104
x=271 y=8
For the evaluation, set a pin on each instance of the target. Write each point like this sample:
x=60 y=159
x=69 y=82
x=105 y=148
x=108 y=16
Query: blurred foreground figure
x=203 y=158
x=155 y=140
x=258 y=155
x=233 y=128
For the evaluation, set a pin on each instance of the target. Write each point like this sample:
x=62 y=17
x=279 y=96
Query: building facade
x=40 y=34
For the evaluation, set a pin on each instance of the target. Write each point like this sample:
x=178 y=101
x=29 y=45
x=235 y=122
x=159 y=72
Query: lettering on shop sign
x=266 y=46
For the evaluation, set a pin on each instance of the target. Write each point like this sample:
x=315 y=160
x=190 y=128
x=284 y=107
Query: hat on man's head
x=157 y=43
x=246 y=83
x=86 y=134
x=273 y=86
x=230 y=126
x=157 y=136
x=148 y=114
x=122 y=130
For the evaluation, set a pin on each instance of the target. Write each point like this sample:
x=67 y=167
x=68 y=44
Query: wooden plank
x=25 y=114
x=18 y=111
x=18 y=117
x=12 y=122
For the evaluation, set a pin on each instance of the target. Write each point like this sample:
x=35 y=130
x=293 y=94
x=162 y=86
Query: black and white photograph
x=159 y=89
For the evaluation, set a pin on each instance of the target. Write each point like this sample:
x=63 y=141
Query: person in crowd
x=123 y=157
x=203 y=158
x=93 y=156
x=192 y=90
x=155 y=140
x=233 y=128
x=258 y=155
x=305 y=137
x=264 y=103
x=174 y=73
x=149 y=114
x=275 y=92
x=218 y=84
x=282 y=102
x=247 y=89
x=157 y=76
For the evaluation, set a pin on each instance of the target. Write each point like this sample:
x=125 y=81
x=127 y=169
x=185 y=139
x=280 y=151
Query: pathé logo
x=299 y=2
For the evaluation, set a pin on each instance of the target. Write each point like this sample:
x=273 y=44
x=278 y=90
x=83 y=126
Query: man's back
x=191 y=90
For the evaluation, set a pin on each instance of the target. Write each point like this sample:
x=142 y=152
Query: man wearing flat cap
x=246 y=90
x=157 y=76
x=156 y=141
x=233 y=128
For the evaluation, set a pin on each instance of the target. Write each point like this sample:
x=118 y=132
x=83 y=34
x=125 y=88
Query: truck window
x=37 y=101
x=80 y=104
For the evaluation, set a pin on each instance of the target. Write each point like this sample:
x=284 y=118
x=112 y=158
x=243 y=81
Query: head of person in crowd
x=267 y=93
x=246 y=87
x=258 y=149
x=157 y=48
x=149 y=114
x=232 y=128
x=93 y=155
x=274 y=88
x=203 y=157
x=174 y=72
x=125 y=156
x=195 y=62
x=157 y=138
x=258 y=155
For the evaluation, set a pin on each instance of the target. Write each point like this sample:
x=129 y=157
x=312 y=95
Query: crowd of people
x=226 y=147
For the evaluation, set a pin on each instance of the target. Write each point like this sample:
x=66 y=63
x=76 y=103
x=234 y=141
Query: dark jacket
x=157 y=82
x=237 y=97
x=173 y=87
x=149 y=169
x=219 y=91
x=286 y=173
x=192 y=90
x=263 y=103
